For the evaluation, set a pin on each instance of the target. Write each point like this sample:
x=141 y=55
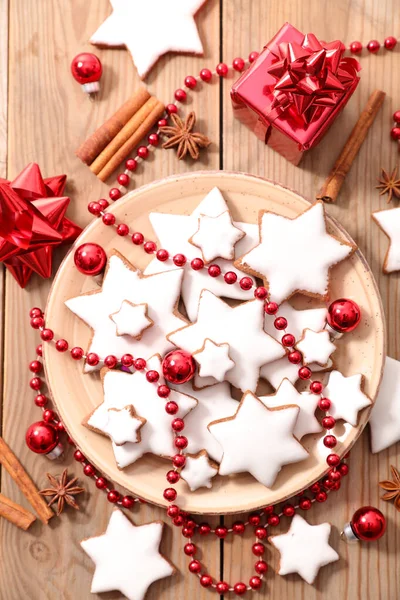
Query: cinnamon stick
x=12 y=465
x=129 y=136
x=92 y=147
x=331 y=188
x=15 y=513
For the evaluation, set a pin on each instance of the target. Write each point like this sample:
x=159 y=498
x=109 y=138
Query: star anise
x=182 y=136
x=62 y=491
x=389 y=184
x=392 y=488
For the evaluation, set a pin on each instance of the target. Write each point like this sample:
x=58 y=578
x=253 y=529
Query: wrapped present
x=294 y=91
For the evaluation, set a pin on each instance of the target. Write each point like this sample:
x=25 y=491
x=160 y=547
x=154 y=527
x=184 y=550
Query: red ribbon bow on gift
x=310 y=77
x=33 y=222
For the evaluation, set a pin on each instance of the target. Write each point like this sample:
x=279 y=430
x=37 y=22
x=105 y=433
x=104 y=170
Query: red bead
x=321 y=497
x=205 y=75
x=37 y=322
x=180 y=95
x=261 y=533
x=114 y=194
x=178 y=425
x=316 y=387
x=139 y=364
x=324 y=404
x=355 y=47
x=238 y=527
x=368 y=524
x=238 y=64
x=171 y=407
x=328 y=422
x=222 y=587
x=36 y=312
x=305 y=373
x=76 y=353
x=173 y=511
x=179 y=260
x=113 y=496
x=204 y=529
x=94 y=208
x=172 y=477
x=190 y=82
x=171 y=109
x=49 y=415
x=330 y=441
x=273 y=520
x=395 y=133
x=334 y=475
x=60 y=426
x=195 y=566
x=162 y=123
x=131 y=164
x=108 y=219
x=197 y=264
x=305 y=503
x=47 y=335
x=255 y=582
x=206 y=581
x=92 y=359
x=122 y=229
x=253 y=56
x=86 y=68
x=128 y=501
x=271 y=308
x=178 y=521
x=39 y=350
x=327 y=484
x=127 y=360
x=333 y=460
x=268 y=510
x=295 y=357
x=163 y=391
x=222 y=69
x=230 y=277
x=41 y=400
x=150 y=247
x=138 y=238
x=143 y=152
x=315 y=488
x=153 y=139
x=258 y=549
x=214 y=271
x=104 y=203
x=36 y=383
x=344 y=315
x=62 y=345
x=190 y=549
x=288 y=510
x=246 y=283
x=288 y=340
x=110 y=361
x=123 y=179
x=78 y=456
x=41 y=437
x=101 y=483
x=152 y=376
x=373 y=46
x=162 y=255
x=88 y=470
x=170 y=494
x=221 y=532
x=261 y=567
x=240 y=588
x=344 y=469
x=180 y=442
x=280 y=323
x=396 y=119
x=254 y=519
x=178 y=367
x=179 y=461
x=260 y=293
x=390 y=42
x=35 y=366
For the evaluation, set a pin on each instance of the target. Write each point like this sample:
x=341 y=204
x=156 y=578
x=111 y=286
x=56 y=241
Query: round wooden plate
x=76 y=394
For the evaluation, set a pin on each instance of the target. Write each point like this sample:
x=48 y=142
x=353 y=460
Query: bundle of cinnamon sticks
x=115 y=140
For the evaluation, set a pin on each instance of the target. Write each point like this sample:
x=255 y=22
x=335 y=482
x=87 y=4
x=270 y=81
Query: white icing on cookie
x=129 y=24
x=174 y=231
x=216 y=237
x=123 y=282
x=389 y=222
x=127 y=557
x=304 y=549
x=213 y=360
x=131 y=319
x=258 y=440
x=198 y=471
x=241 y=327
x=301 y=265
x=316 y=347
x=123 y=426
x=346 y=396
x=156 y=435
x=385 y=415
x=307 y=403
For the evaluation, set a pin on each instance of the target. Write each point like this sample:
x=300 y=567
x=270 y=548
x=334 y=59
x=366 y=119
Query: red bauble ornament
x=42 y=438
x=90 y=259
x=86 y=69
x=367 y=524
x=178 y=367
x=344 y=315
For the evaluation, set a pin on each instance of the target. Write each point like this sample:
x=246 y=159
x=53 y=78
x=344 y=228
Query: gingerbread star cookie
x=241 y=327
x=214 y=361
x=385 y=415
x=131 y=319
x=198 y=471
x=304 y=549
x=346 y=396
x=216 y=237
x=266 y=439
x=123 y=284
x=389 y=222
x=316 y=347
x=127 y=557
x=172 y=30
x=295 y=255
x=123 y=425
x=174 y=233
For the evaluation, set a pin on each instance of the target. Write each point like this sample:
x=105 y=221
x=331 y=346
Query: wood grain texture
x=48 y=118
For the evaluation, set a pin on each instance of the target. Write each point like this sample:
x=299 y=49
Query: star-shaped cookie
x=127 y=557
x=123 y=425
x=301 y=265
x=216 y=237
x=346 y=396
x=242 y=327
x=174 y=232
x=389 y=222
x=258 y=440
x=213 y=360
x=198 y=471
x=131 y=319
x=304 y=549
x=385 y=415
x=316 y=346
x=123 y=282
x=148 y=30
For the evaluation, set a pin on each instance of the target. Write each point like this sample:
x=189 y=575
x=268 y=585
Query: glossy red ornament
x=197 y=264
x=222 y=587
x=355 y=47
x=42 y=438
x=390 y=42
x=240 y=588
x=90 y=259
x=178 y=367
x=86 y=69
x=205 y=75
x=344 y=315
x=396 y=116
x=373 y=46
x=395 y=133
x=368 y=524
x=123 y=179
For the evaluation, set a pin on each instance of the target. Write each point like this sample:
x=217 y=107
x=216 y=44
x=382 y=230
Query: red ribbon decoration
x=33 y=222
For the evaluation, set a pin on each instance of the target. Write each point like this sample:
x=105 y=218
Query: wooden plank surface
x=48 y=117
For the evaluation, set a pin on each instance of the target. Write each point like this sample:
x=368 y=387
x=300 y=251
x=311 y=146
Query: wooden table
x=43 y=117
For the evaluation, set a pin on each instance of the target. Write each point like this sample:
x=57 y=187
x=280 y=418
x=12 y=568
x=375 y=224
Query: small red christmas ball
x=137 y=238
x=179 y=461
x=62 y=345
x=222 y=69
x=205 y=75
x=78 y=456
x=92 y=359
x=305 y=373
x=240 y=588
x=122 y=229
x=214 y=271
x=39 y=350
x=321 y=497
x=41 y=400
x=280 y=323
x=49 y=415
x=254 y=519
x=180 y=95
x=152 y=376
x=288 y=510
x=35 y=366
x=206 y=581
x=195 y=566
x=170 y=494
x=324 y=404
x=260 y=293
x=110 y=361
x=273 y=520
x=260 y=533
x=344 y=315
x=163 y=391
x=238 y=527
x=238 y=64
x=37 y=312
x=288 y=340
x=113 y=496
x=108 y=219
x=189 y=549
x=197 y=264
x=90 y=259
x=37 y=322
x=128 y=501
x=101 y=483
x=373 y=46
x=35 y=383
x=316 y=387
x=150 y=247
x=395 y=133
x=305 y=503
x=355 y=47
x=178 y=521
x=162 y=255
x=344 y=469
x=179 y=260
x=139 y=364
x=178 y=425
x=143 y=152
x=131 y=164
x=396 y=119
x=172 y=477
x=178 y=367
x=261 y=567
x=86 y=69
x=390 y=42
x=253 y=56
x=255 y=582
x=258 y=549
x=123 y=179
x=89 y=470
x=230 y=277
x=115 y=194
x=328 y=422
x=190 y=82
x=222 y=587
x=94 y=208
x=41 y=437
x=333 y=460
x=47 y=335
x=173 y=511
x=204 y=529
x=334 y=475
x=127 y=360
x=221 y=532
x=76 y=353
x=171 y=407
x=246 y=283
x=295 y=357
x=368 y=524
x=104 y=203
x=330 y=441
x=162 y=123
x=153 y=139
x=171 y=109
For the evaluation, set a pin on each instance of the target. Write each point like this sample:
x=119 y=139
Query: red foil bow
x=33 y=222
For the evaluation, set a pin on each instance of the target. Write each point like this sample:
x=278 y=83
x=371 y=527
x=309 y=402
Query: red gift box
x=293 y=92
